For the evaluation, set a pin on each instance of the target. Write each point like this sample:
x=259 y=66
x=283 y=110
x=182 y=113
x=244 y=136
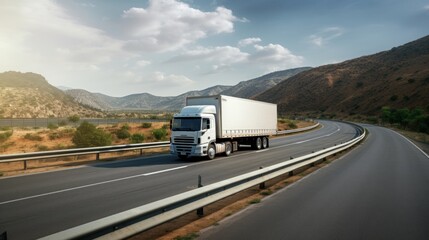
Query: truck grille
x=185 y=149
x=186 y=140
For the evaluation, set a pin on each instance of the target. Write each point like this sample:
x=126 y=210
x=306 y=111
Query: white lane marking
x=163 y=171
x=411 y=143
x=262 y=150
x=308 y=140
x=91 y=185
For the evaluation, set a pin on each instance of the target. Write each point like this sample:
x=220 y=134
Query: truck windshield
x=186 y=124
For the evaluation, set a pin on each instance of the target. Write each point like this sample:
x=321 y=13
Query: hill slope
x=397 y=78
x=29 y=95
x=253 y=87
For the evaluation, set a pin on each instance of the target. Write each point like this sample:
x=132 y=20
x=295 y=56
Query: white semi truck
x=210 y=125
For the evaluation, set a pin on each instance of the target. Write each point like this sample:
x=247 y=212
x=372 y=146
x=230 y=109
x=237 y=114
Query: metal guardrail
x=99 y=150
x=136 y=220
x=298 y=129
x=78 y=151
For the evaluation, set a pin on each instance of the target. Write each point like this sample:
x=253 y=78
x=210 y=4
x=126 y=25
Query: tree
x=87 y=135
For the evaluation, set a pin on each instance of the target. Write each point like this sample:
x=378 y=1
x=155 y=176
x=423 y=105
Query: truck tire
x=258 y=143
x=265 y=143
x=228 y=148
x=211 y=152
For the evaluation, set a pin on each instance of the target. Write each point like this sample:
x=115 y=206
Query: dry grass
x=61 y=138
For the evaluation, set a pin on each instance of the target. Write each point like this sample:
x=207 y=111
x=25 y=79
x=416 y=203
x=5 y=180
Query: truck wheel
x=258 y=143
x=228 y=148
x=265 y=143
x=211 y=152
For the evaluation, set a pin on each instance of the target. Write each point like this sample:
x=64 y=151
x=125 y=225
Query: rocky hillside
x=253 y=87
x=397 y=78
x=29 y=95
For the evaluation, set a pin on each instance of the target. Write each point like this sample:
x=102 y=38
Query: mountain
x=29 y=95
x=138 y=101
x=397 y=78
x=146 y=101
x=253 y=87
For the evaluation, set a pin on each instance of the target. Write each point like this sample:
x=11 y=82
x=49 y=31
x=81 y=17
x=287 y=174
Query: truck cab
x=193 y=131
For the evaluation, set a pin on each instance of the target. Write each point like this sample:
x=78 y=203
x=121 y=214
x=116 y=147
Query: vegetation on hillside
x=411 y=119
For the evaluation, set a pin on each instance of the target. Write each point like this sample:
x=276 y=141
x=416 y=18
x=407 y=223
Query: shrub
x=87 y=135
x=74 y=118
x=122 y=133
x=159 y=134
x=62 y=123
x=292 y=125
x=126 y=127
x=146 y=125
x=33 y=137
x=42 y=147
x=137 y=138
x=52 y=126
x=5 y=136
x=166 y=126
x=394 y=98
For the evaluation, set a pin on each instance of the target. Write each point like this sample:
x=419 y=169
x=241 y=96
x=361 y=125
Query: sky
x=169 y=47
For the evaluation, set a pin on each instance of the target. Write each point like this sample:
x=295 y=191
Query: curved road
x=380 y=190
x=38 y=205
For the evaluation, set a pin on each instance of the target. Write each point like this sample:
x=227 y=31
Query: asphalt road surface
x=38 y=205
x=380 y=190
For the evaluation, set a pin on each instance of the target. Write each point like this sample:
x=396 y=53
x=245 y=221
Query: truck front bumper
x=188 y=150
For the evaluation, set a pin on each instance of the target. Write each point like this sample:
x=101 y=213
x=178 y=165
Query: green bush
x=137 y=138
x=122 y=133
x=166 y=126
x=5 y=136
x=292 y=125
x=33 y=137
x=126 y=127
x=52 y=126
x=159 y=134
x=87 y=135
x=74 y=118
x=42 y=148
x=146 y=125
x=62 y=123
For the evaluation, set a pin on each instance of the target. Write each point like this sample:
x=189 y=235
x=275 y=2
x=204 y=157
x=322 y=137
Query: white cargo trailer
x=219 y=124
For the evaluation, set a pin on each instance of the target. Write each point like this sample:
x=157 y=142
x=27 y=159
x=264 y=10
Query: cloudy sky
x=168 y=47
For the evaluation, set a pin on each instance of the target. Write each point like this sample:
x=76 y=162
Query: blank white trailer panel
x=238 y=117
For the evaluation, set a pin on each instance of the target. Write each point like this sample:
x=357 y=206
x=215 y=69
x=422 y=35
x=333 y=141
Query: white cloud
x=248 y=41
x=326 y=35
x=275 y=57
x=167 y=25
x=222 y=54
x=269 y=57
x=143 y=63
x=42 y=37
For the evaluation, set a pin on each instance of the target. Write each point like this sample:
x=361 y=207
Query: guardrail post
x=200 y=211
x=3 y=236
x=25 y=164
x=141 y=151
x=97 y=156
x=262 y=184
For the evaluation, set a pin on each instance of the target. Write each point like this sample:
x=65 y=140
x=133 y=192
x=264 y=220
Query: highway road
x=380 y=190
x=37 y=205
